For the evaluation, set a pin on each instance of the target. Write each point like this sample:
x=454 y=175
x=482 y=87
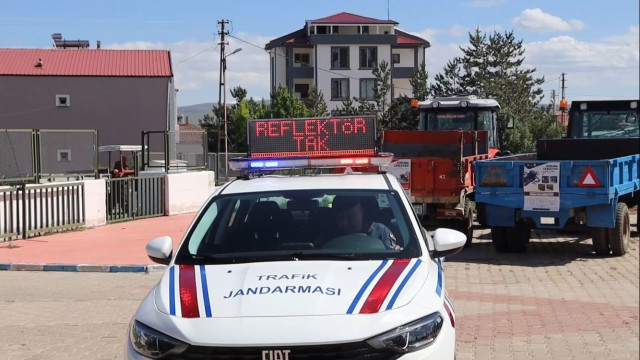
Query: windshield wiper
x=326 y=256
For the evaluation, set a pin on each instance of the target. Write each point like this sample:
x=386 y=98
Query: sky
x=594 y=43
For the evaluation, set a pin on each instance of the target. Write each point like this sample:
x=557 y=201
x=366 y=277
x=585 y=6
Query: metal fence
x=174 y=150
x=40 y=154
x=34 y=210
x=64 y=153
x=131 y=198
x=217 y=163
x=17 y=159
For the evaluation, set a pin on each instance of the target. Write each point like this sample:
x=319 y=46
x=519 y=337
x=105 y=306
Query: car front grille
x=359 y=350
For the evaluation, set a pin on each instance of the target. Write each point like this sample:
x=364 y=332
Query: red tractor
x=435 y=162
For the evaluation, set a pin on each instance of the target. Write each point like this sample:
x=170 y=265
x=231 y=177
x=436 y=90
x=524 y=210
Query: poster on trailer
x=541 y=183
x=401 y=169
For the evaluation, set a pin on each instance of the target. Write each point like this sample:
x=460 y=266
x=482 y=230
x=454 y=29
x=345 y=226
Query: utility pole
x=223 y=66
x=222 y=94
x=563 y=102
x=553 y=101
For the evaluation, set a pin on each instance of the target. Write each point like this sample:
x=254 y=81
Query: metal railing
x=34 y=210
x=131 y=198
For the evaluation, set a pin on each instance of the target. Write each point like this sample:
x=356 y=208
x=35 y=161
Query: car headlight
x=152 y=343
x=410 y=337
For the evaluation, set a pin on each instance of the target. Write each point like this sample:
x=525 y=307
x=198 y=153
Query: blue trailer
x=587 y=180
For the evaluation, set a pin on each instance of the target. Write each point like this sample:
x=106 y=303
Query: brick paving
x=557 y=301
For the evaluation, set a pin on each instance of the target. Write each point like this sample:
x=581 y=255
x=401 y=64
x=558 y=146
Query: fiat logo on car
x=275 y=354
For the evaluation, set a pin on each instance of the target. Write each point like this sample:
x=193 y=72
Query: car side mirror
x=447 y=242
x=160 y=250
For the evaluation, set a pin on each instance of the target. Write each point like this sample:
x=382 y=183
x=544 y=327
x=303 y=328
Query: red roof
x=349 y=18
x=408 y=41
x=86 y=62
x=190 y=133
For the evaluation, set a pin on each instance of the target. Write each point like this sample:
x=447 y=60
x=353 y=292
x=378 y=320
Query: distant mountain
x=195 y=112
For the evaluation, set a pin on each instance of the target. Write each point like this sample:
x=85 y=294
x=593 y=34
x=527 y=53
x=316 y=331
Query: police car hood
x=289 y=288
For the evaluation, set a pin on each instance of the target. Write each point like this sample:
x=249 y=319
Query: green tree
x=401 y=116
x=237 y=130
x=348 y=107
x=492 y=67
x=381 y=94
x=315 y=103
x=419 y=83
x=285 y=105
x=239 y=93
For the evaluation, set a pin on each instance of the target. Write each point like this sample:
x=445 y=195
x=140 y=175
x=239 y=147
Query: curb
x=82 y=268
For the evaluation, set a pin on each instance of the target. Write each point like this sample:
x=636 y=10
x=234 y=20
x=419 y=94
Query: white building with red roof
x=337 y=54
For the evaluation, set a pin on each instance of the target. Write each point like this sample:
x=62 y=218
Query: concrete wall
x=187 y=191
x=95 y=203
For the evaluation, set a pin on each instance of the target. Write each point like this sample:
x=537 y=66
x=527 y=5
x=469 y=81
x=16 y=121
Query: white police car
x=268 y=271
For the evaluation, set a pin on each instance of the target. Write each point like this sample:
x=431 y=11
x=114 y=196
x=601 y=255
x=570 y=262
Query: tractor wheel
x=520 y=236
x=467 y=223
x=499 y=239
x=620 y=234
x=600 y=239
x=481 y=214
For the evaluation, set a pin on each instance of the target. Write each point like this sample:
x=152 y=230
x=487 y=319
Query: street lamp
x=224 y=99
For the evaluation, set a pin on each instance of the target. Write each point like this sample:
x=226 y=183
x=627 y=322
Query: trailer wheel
x=499 y=239
x=600 y=239
x=521 y=236
x=467 y=223
x=481 y=214
x=620 y=234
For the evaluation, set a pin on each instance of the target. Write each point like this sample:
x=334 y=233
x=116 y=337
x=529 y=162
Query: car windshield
x=454 y=119
x=301 y=225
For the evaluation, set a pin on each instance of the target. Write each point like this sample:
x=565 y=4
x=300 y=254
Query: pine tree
x=492 y=67
x=419 y=83
x=315 y=103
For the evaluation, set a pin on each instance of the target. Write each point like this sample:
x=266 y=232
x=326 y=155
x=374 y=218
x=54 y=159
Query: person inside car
x=350 y=219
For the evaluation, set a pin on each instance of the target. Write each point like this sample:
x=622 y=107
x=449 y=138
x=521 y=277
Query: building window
x=63 y=100
x=396 y=58
x=366 y=89
x=368 y=57
x=301 y=91
x=364 y=29
x=64 y=155
x=339 y=89
x=340 y=58
x=302 y=59
x=335 y=29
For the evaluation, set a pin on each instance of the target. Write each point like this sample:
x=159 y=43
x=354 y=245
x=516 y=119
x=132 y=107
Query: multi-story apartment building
x=337 y=55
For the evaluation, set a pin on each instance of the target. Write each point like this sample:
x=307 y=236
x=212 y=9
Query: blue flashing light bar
x=238 y=164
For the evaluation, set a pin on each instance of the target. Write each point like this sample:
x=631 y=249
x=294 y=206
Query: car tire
x=620 y=234
x=499 y=239
x=600 y=239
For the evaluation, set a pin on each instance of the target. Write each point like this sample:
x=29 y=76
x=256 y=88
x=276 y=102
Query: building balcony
x=300 y=72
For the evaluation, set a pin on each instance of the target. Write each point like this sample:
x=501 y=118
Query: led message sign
x=354 y=135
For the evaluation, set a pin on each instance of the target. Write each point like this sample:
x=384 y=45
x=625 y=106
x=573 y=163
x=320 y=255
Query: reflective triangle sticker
x=589 y=179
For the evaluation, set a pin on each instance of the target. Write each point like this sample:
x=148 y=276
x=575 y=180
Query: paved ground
x=557 y=301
